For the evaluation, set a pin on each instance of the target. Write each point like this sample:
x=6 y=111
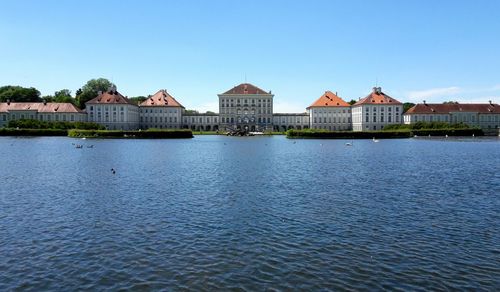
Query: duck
x=375 y=140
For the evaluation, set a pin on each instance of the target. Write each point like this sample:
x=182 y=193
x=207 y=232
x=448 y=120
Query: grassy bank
x=384 y=134
x=32 y=132
x=147 y=134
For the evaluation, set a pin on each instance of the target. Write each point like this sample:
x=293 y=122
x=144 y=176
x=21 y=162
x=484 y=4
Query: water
x=255 y=213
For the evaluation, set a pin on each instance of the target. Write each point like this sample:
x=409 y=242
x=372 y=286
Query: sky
x=415 y=50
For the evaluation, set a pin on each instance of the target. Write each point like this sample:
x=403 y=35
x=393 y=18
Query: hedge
x=32 y=132
x=323 y=134
x=152 y=134
x=449 y=132
x=36 y=124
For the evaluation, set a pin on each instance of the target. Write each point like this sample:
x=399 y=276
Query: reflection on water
x=252 y=213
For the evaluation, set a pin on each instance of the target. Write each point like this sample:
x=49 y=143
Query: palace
x=249 y=108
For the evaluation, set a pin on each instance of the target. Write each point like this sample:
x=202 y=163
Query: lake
x=251 y=213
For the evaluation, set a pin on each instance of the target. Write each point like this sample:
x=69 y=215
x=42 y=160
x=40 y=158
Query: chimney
x=490 y=102
x=336 y=93
x=374 y=89
x=379 y=90
x=425 y=103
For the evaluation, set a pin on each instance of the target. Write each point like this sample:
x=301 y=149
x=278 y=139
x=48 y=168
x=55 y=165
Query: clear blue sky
x=433 y=50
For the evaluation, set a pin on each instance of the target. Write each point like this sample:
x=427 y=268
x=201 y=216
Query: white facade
x=375 y=117
x=201 y=122
x=283 y=122
x=160 y=117
x=114 y=116
x=330 y=118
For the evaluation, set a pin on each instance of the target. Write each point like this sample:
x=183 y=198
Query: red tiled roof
x=109 y=97
x=377 y=97
x=329 y=99
x=161 y=98
x=246 y=88
x=50 y=107
x=445 y=108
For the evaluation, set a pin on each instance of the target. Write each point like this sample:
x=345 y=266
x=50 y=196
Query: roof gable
x=378 y=97
x=446 y=108
x=246 y=88
x=161 y=98
x=109 y=97
x=50 y=107
x=329 y=99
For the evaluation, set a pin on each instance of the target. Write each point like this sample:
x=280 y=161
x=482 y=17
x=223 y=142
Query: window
x=374 y=119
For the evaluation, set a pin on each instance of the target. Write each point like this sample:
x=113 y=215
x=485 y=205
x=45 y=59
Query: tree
x=450 y=102
x=91 y=88
x=63 y=95
x=19 y=94
x=191 y=112
x=407 y=106
x=138 y=99
x=352 y=102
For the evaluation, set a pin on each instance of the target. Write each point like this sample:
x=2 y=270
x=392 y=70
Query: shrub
x=32 y=132
x=325 y=134
x=426 y=125
x=151 y=134
x=36 y=124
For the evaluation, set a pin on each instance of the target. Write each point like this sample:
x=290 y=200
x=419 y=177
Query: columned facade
x=246 y=107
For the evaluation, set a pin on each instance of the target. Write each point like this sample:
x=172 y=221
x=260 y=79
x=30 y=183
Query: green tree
x=91 y=88
x=191 y=112
x=352 y=102
x=63 y=95
x=137 y=99
x=407 y=106
x=450 y=102
x=19 y=94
